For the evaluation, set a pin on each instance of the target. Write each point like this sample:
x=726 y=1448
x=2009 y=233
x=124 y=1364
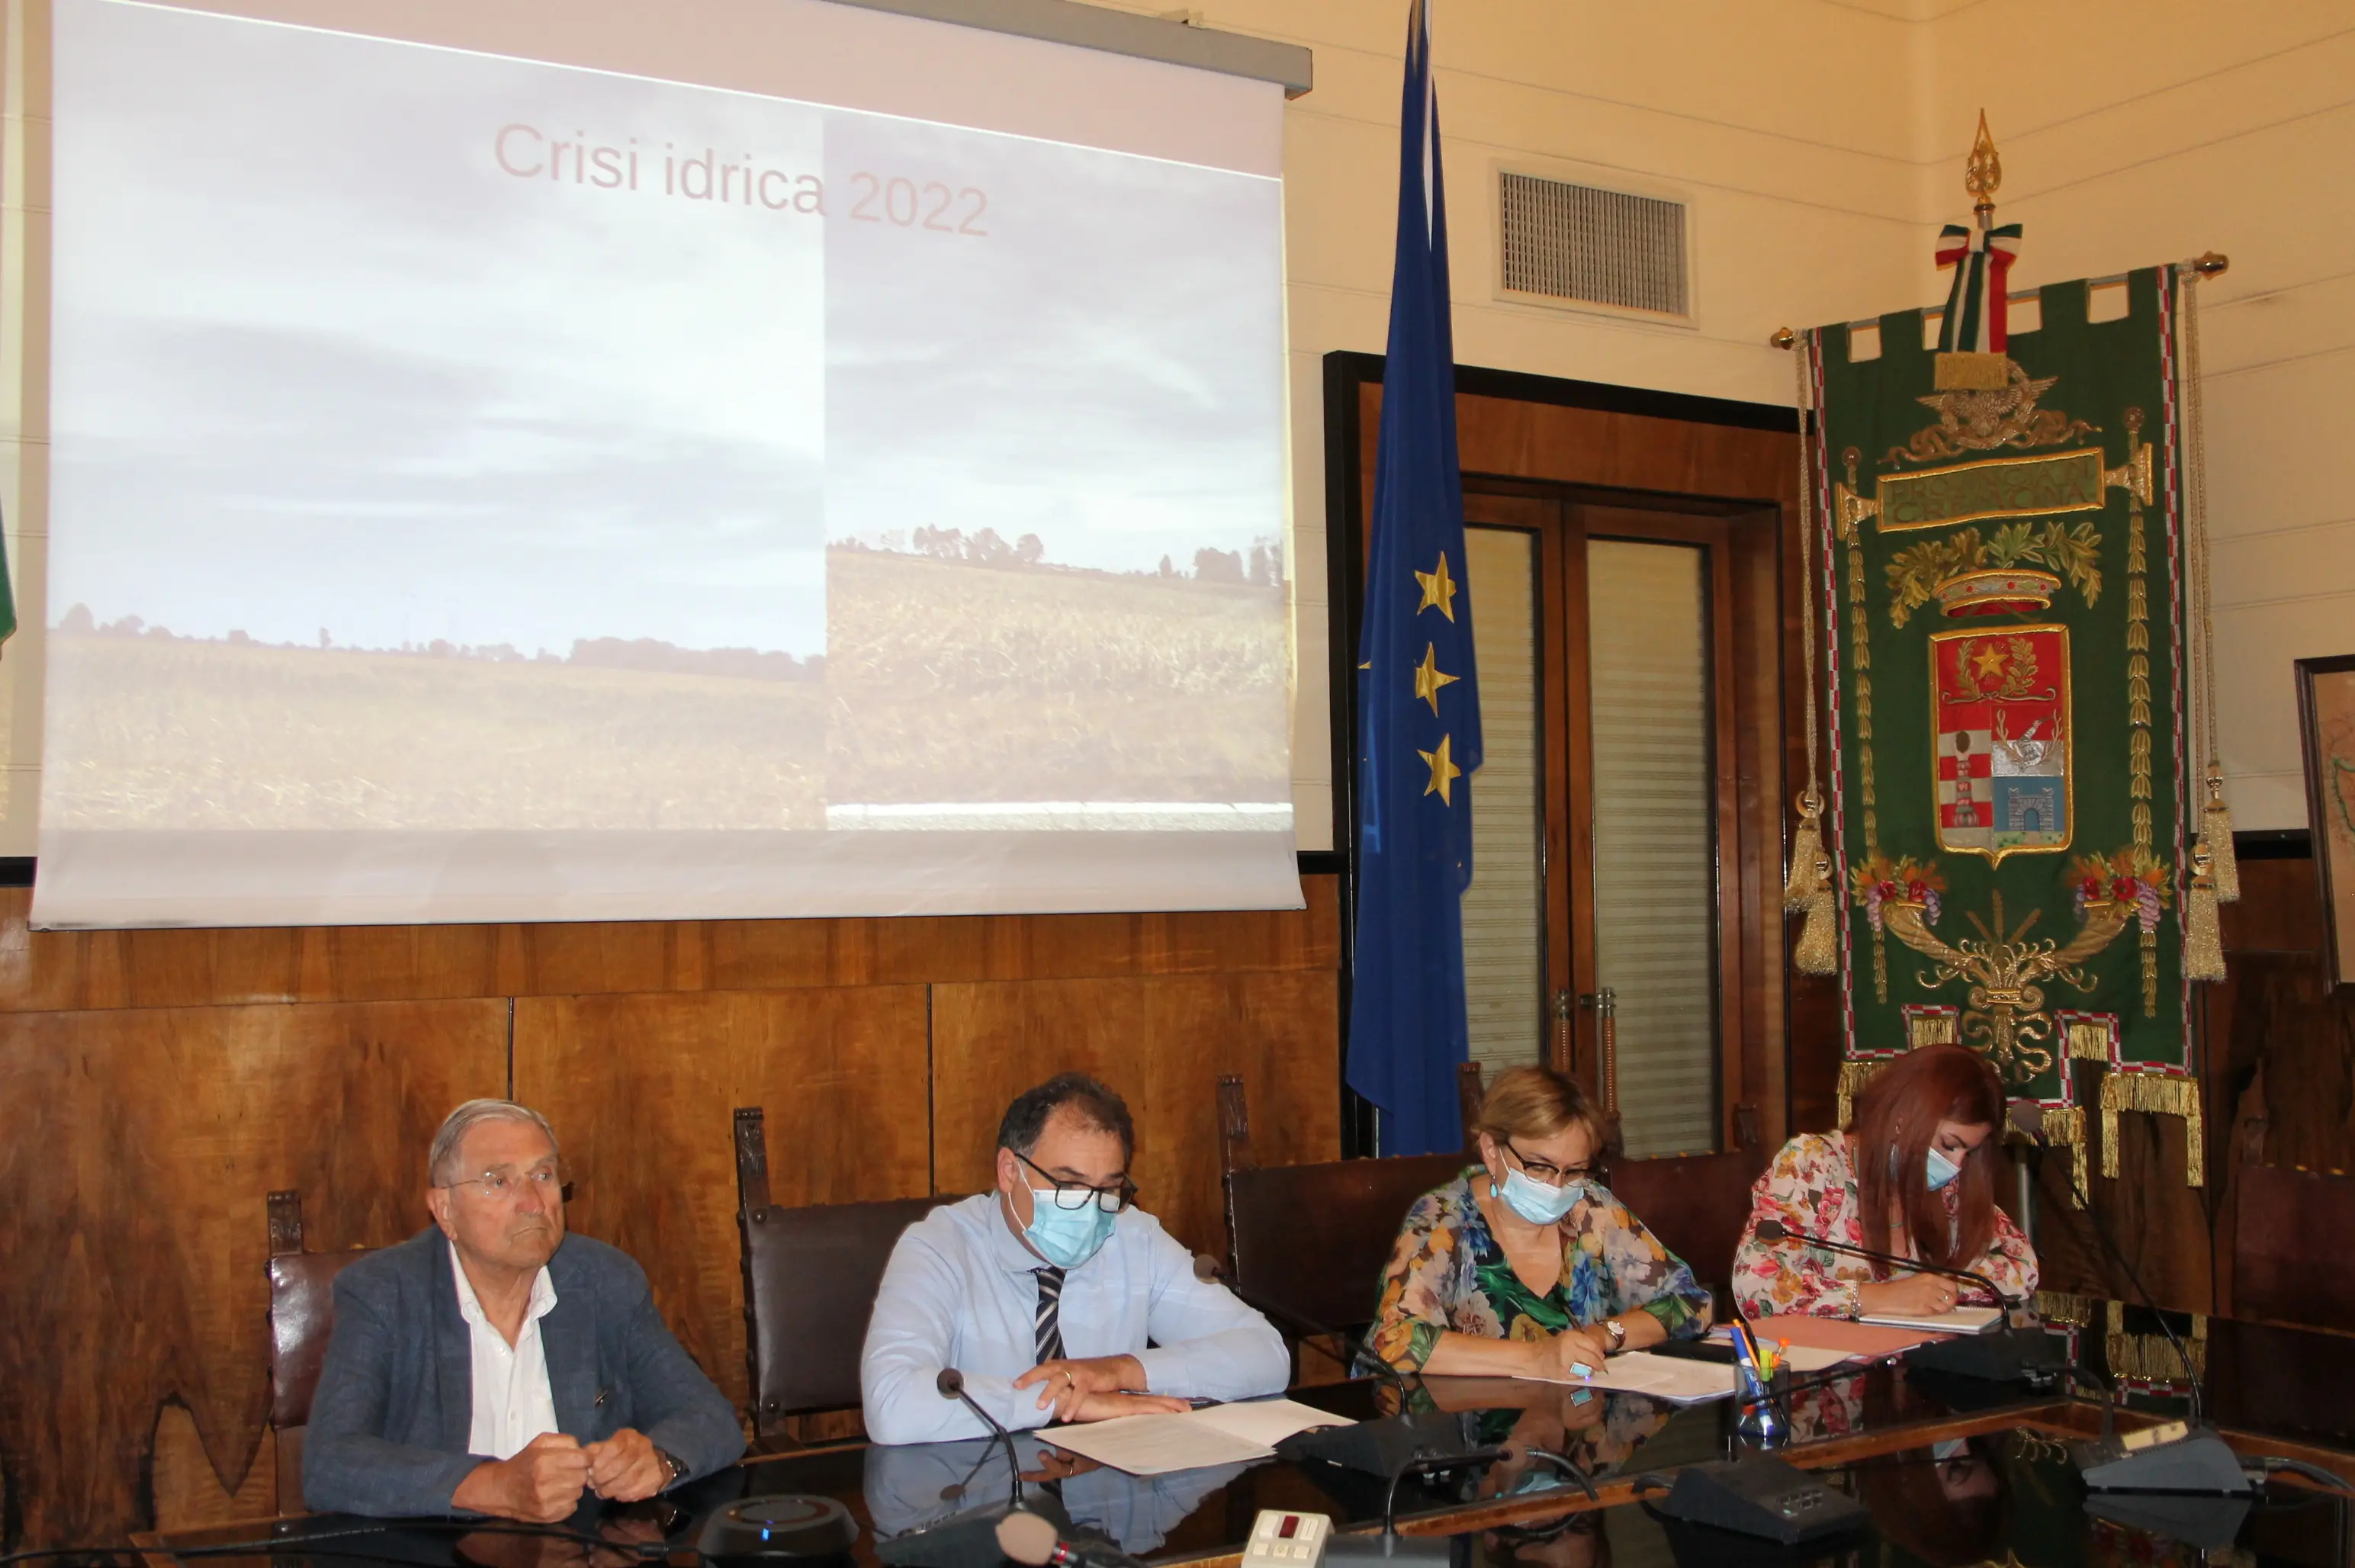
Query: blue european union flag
x=1418 y=703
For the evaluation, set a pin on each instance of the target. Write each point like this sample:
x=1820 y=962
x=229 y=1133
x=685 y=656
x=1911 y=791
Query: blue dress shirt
x=961 y=1292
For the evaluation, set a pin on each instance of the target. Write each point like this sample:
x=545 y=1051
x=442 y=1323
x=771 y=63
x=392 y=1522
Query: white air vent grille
x=1602 y=247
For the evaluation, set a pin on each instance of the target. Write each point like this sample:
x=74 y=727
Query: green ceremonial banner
x=2004 y=568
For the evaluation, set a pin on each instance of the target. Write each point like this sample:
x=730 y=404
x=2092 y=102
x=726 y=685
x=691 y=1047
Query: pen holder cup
x=1762 y=1417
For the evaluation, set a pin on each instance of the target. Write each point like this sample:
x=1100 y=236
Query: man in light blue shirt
x=1047 y=1292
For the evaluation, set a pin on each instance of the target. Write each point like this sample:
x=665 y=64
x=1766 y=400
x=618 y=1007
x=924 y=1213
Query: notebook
x=1954 y=1320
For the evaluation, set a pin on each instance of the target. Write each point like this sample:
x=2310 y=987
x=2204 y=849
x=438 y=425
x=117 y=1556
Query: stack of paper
x=1671 y=1378
x=1216 y=1434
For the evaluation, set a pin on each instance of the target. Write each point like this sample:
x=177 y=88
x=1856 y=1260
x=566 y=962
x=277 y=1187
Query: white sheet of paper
x=1805 y=1359
x=1672 y=1378
x=1268 y=1421
x=1954 y=1320
x=1216 y=1434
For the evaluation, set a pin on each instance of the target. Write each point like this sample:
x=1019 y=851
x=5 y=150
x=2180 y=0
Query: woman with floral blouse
x=1920 y=1158
x=1525 y=1263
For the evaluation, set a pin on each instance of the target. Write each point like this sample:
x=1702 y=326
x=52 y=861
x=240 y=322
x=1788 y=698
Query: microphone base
x=2176 y=1457
x=2202 y=1523
x=968 y=1539
x=784 y=1528
x=1762 y=1499
x=1383 y=1447
x=2003 y=1356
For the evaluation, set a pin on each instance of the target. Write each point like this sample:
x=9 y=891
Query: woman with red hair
x=1914 y=1175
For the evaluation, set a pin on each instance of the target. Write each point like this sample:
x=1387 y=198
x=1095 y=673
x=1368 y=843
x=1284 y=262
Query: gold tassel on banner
x=1809 y=887
x=2065 y=1309
x=2155 y=1094
x=1853 y=1077
x=2216 y=833
x=2203 y=948
x=2089 y=1043
x=2150 y=1357
x=1817 y=951
x=2064 y=1127
x=1806 y=855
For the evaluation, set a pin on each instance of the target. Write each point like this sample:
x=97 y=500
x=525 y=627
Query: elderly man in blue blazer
x=493 y=1365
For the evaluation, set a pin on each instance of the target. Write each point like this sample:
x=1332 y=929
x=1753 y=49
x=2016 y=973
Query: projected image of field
x=184 y=733
x=955 y=682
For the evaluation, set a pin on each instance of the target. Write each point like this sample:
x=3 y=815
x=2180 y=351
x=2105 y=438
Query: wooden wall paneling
x=641 y=1091
x=1627 y=452
x=53 y=971
x=135 y=1149
x=1162 y=1043
x=1766 y=668
x=188 y=1492
x=2280 y=1068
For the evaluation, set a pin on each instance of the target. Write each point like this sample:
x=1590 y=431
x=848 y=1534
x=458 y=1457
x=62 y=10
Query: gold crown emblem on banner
x=2002 y=591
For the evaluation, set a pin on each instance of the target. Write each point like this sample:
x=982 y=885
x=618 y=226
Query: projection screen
x=565 y=461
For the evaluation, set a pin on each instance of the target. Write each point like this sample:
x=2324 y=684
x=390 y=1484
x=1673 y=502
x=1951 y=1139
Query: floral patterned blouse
x=1811 y=1188
x=1448 y=1272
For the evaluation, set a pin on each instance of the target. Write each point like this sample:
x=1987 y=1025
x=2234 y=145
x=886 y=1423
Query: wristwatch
x=1618 y=1332
x=674 y=1464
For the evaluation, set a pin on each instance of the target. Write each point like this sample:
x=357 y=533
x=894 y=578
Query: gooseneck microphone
x=2010 y=1355
x=2027 y=1120
x=1776 y=1230
x=950 y=1384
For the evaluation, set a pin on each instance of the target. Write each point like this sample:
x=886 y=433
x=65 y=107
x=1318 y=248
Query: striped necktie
x=1048 y=1327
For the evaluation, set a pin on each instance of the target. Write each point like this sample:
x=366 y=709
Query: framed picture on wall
x=2326 y=706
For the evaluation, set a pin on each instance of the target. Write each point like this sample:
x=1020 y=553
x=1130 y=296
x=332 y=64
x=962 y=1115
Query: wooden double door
x=1630 y=687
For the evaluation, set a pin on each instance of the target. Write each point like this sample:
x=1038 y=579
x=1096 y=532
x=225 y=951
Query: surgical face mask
x=1942 y=1170
x=1067 y=1237
x=1539 y=1203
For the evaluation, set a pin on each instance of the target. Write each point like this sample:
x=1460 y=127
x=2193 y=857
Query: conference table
x=1950 y=1470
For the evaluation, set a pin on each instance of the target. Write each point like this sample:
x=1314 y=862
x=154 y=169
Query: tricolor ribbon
x=1977 y=313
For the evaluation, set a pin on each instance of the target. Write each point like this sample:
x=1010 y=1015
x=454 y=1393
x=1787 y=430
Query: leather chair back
x=1696 y=1204
x=302 y=1320
x=1309 y=1242
x=810 y=1279
x=2293 y=1247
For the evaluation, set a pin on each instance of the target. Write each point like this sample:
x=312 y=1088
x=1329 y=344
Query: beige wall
x=1820 y=146
x=1820 y=143
x=2168 y=128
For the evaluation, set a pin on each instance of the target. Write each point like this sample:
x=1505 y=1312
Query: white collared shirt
x=962 y=1291
x=513 y=1400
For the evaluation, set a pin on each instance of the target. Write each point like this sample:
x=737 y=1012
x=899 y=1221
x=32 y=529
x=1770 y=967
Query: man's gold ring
x=1069 y=1381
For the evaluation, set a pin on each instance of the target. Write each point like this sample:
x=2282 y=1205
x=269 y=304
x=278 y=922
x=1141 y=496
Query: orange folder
x=1840 y=1333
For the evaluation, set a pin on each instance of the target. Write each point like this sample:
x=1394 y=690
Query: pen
x=1741 y=1354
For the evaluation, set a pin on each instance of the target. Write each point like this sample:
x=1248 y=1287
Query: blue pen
x=1742 y=1353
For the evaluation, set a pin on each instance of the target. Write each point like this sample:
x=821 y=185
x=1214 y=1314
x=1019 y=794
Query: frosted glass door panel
x=1654 y=835
x=1503 y=941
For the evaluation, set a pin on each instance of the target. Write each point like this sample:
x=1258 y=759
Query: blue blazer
x=394 y=1404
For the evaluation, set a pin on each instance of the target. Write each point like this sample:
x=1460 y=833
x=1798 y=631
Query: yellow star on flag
x=1438 y=589
x=1444 y=772
x=1428 y=678
x=1989 y=659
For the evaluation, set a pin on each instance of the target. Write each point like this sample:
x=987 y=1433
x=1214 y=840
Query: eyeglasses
x=507 y=1183
x=1079 y=1194
x=1545 y=1170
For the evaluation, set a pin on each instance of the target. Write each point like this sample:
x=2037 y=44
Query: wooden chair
x=302 y=1318
x=1696 y=1204
x=810 y=1278
x=2294 y=1247
x=1307 y=1242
